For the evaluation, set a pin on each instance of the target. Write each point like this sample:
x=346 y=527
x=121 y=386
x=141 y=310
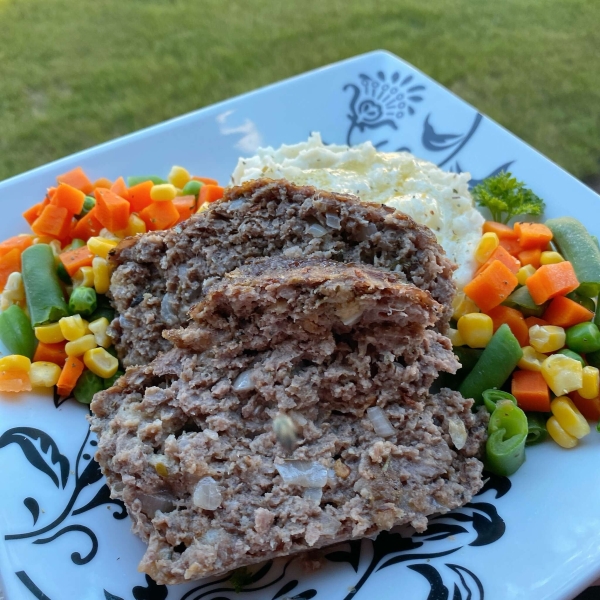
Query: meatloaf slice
x=159 y=276
x=292 y=413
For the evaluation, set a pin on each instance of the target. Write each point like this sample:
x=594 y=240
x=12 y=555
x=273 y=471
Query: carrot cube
x=491 y=286
x=68 y=197
x=550 y=281
x=565 y=312
x=531 y=391
x=111 y=210
x=160 y=215
x=139 y=196
x=77 y=179
x=514 y=319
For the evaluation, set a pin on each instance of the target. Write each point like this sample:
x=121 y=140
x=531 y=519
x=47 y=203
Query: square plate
x=535 y=536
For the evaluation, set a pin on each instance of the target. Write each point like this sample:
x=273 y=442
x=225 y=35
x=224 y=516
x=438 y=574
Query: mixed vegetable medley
x=55 y=315
x=525 y=329
x=527 y=323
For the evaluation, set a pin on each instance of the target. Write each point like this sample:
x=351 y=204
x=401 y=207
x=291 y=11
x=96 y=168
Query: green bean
x=45 y=298
x=577 y=246
x=507 y=434
x=110 y=381
x=131 y=181
x=572 y=355
x=492 y=397
x=87 y=385
x=62 y=273
x=521 y=300
x=495 y=365
x=583 y=337
x=468 y=358
x=536 y=428
x=585 y=302
x=83 y=301
x=16 y=332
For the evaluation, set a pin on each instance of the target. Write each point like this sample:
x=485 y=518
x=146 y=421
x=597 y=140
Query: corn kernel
x=163 y=191
x=84 y=277
x=524 y=273
x=100 y=362
x=73 y=327
x=532 y=359
x=81 y=345
x=98 y=328
x=135 y=225
x=590 y=387
x=49 y=334
x=179 y=176
x=109 y=235
x=44 y=374
x=547 y=338
x=203 y=207
x=550 y=258
x=563 y=374
x=476 y=329
x=462 y=305
x=101 y=275
x=100 y=246
x=14 y=291
x=15 y=362
x=487 y=244
x=455 y=337
x=569 y=417
x=559 y=435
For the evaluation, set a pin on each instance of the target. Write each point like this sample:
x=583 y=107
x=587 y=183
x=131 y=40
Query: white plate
x=535 y=536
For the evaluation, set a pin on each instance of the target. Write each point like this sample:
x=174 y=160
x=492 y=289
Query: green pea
x=88 y=204
x=583 y=338
x=192 y=188
x=572 y=355
x=83 y=301
x=87 y=385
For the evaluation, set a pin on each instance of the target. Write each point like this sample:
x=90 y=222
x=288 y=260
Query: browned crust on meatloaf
x=159 y=276
x=283 y=322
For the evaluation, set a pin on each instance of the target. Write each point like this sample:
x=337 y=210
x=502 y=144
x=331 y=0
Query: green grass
x=74 y=73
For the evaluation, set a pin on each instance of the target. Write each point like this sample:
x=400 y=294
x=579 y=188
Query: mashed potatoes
x=429 y=195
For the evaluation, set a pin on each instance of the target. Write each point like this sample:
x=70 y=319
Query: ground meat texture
x=276 y=339
x=159 y=276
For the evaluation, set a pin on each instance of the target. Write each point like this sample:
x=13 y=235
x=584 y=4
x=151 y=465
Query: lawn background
x=74 y=73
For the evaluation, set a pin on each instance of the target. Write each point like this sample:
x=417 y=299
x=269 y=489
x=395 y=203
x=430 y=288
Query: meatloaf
x=159 y=276
x=292 y=413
